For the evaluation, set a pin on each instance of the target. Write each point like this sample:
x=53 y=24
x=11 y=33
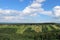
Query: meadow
x=30 y=31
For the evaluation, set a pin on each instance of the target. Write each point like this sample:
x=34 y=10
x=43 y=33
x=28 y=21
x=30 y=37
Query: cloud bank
x=32 y=11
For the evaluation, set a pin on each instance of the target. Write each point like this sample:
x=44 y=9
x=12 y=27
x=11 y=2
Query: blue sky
x=14 y=4
x=29 y=11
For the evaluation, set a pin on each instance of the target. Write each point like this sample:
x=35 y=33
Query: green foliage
x=28 y=32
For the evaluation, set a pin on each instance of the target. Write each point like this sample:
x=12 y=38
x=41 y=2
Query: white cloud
x=39 y=1
x=56 y=14
x=36 y=7
x=10 y=18
x=35 y=14
x=49 y=13
x=32 y=10
x=11 y=15
x=56 y=11
x=7 y=11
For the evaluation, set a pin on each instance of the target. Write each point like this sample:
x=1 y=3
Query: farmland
x=32 y=31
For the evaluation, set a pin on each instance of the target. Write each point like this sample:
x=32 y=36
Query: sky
x=29 y=11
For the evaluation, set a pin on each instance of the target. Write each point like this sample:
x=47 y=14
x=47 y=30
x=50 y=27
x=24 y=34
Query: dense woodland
x=46 y=31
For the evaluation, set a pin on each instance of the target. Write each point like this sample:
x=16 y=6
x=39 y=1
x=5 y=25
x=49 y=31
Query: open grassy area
x=40 y=31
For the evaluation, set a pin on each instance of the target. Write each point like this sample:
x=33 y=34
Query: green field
x=42 y=31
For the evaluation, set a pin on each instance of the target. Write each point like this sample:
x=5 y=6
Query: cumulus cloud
x=56 y=14
x=36 y=7
x=35 y=14
x=32 y=10
x=10 y=15
x=7 y=11
x=56 y=11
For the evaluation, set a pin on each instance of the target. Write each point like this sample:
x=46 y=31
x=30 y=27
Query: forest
x=32 y=31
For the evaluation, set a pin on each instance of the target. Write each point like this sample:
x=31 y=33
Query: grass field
x=39 y=31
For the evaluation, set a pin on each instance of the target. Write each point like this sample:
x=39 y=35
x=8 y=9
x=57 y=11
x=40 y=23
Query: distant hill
x=29 y=23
